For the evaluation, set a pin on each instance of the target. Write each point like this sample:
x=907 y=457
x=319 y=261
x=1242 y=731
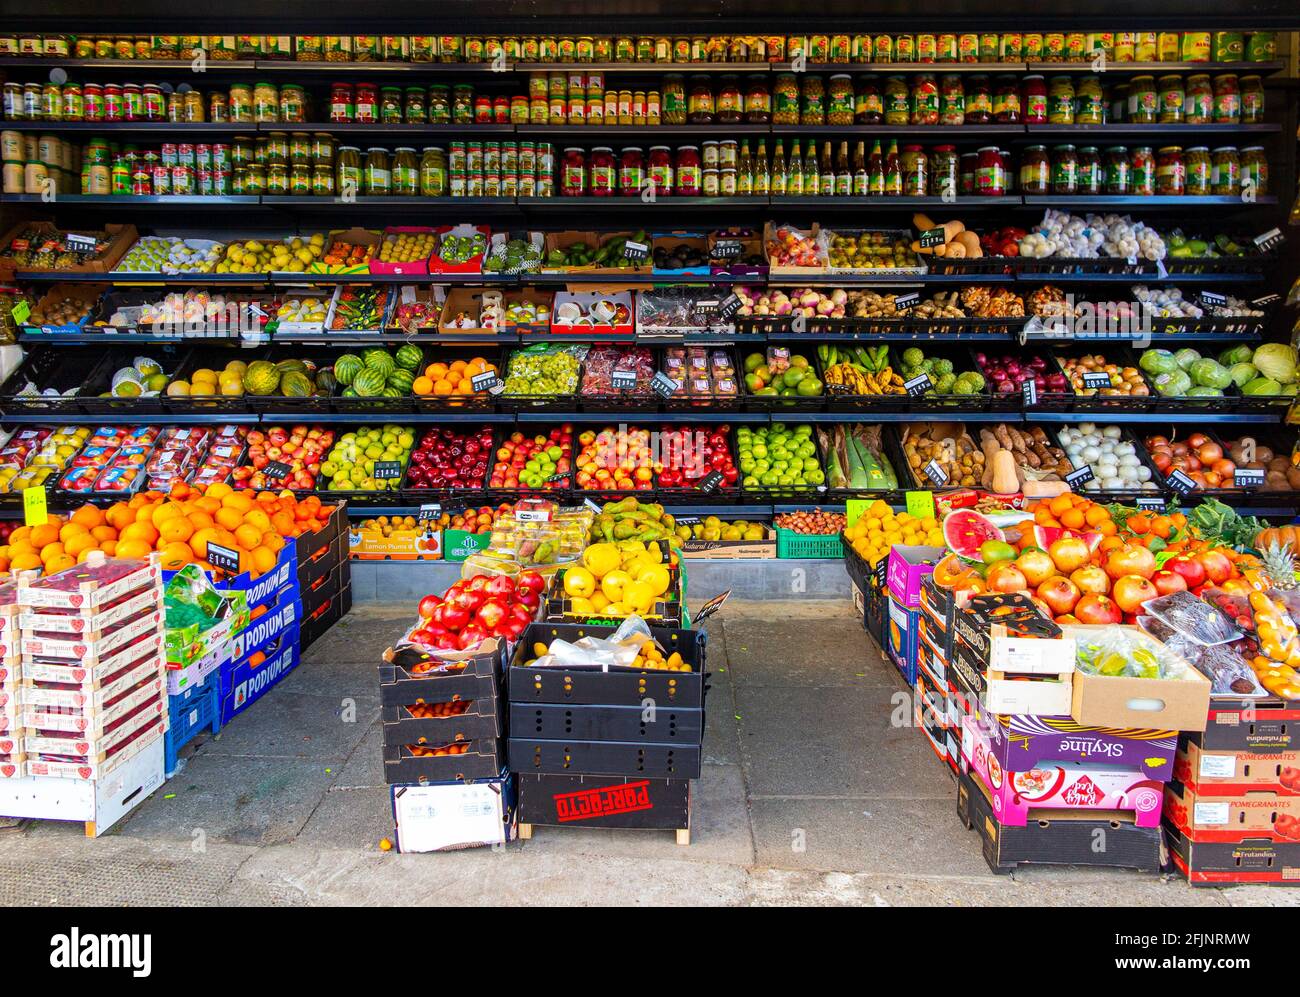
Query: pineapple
x=1279 y=566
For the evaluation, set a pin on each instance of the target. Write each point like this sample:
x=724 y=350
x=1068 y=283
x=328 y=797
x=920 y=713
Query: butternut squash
x=971 y=242
x=1044 y=489
x=1004 y=473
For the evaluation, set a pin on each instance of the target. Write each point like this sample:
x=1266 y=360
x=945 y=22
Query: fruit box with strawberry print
x=92 y=700
x=97 y=582
x=1061 y=785
x=99 y=742
x=92 y=646
x=1268 y=815
x=66 y=761
x=93 y=722
x=82 y=622
x=91 y=673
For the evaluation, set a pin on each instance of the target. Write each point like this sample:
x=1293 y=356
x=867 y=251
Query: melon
x=964 y=530
x=295 y=384
x=401 y=380
x=326 y=382
x=380 y=360
x=409 y=356
x=261 y=378
x=347 y=367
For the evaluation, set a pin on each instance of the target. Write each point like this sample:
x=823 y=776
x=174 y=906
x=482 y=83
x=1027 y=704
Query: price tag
x=920 y=505
x=636 y=251
x=932 y=237
x=1094 y=379
x=533 y=515
x=1029 y=391
x=710 y=482
x=1270 y=239
x=1079 y=476
x=729 y=306
x=87 y=243
x=709 y=608
x=708 y=306
x=663 y=385
x=622 y=380
x=902 y=302
x=596 y=508
x=277 y=469
x=1248 y=477
x=564 y=476
x=727 y=250
x=881 y=571
x=1265 y=300
x=918 y=385
x=1181 y=483
x=1212 y=299
x=487 y=381
x=34 y=511
x=429 y=512
x=223 y=557
x=853 y=510
x=21 y=311
x=387 y=470
x=1150 y=504
x=935 y=472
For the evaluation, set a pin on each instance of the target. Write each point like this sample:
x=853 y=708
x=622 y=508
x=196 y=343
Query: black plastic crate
x=593 y=687
x=607 y=723
x=598 y=801
x=573 y=757
x=481 y=719
x=400 y=683
x=481 y=760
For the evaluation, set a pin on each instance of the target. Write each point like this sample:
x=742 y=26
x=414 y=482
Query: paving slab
x=834 y=742
x=361 y=637
x=831 y=652
x=352 y=819
x=365 y=766
x=289 y=724
x=238 y=799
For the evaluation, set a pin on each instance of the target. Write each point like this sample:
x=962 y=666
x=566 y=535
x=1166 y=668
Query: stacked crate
x=606 y=748
x=443 y=726
x=93 y=699
x=12 y=754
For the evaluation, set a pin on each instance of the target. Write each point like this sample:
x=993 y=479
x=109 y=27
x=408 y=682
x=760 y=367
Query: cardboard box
x=1015 y=615
x=1250 y=860
x=1116 y=701
x=400 y=545
x=88 y=294
x=474 y=265
x=1267 y=815
x=1021 y=742
x=352 y=236
x=1225 y=774
x=907 y=568
x=120 y=238
x=780 y=270
x=1067 y=838
x=441 y=817
x=729 y=549
x=1039 y=695
x=1018 y=797
x=900 y=638
x=596 y=801
x=1258 y=725
x=562 y=240
x=468 y=301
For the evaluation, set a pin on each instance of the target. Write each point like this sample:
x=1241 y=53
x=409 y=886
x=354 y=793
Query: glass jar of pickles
x=1065 y=170
x=1225 y=171
x=1198 y=100
x=1060 y=101
x=1254 y=170
x=293 y=104
x=1143 y=101
x=266 y=103
x=1196 y=167
x=1172 y=98
x=758 y=101
x=785 y=99
x=840 y=100
x=1171 y=172
x=1090 y=171
x=1035 y=170
x=1143 y=164
x=1118 y=171
x=812 y=101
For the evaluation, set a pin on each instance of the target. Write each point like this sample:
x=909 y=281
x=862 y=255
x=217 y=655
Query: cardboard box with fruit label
x=418 y=543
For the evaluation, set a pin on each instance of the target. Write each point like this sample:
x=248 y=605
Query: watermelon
x=409 y=356
x=326 y=382
x=401 y=381
x=390 y=392
x=285 y=366
x=261 y=378
x=379 y=360
x=296 y=384
x=369 y=383
x=349 y=392
x=964 y=530
x=347 y=367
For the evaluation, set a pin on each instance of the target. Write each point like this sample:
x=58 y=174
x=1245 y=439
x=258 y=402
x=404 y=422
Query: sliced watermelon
x=1045 y=536
x=965 y=529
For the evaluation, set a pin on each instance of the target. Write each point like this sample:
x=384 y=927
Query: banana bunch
x=871 y=359
x=850 y=379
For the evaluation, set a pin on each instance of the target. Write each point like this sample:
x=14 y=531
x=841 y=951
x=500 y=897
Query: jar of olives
x=840 y=100
x=672 y=101
x=812 y=101
x=785 y=99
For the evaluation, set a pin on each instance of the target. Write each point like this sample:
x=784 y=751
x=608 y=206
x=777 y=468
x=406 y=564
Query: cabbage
x=1205 y=391
x=1242 y=372
x=1235 y=355
x=1186 y=357
x=1158 y=362
x=1276 y=361
x=1261 y=386
x=1209 y=373
x=1175 y=383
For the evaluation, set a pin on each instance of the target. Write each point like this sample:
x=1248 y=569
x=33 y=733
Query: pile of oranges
x=178 y=525
x=1073 y=512
x=453 y=379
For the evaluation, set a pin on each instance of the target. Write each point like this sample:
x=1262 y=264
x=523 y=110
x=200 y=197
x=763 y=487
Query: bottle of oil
x=860 y=178
x=876 y=171
x=893 y=171
x=843 y=172
x=812 y=175
x=827 y=171
x=794 y=179
x=762 y=177
x=745 y=171
x=777 y=176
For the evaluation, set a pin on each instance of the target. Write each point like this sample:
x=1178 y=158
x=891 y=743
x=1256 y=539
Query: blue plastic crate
x=189 y=713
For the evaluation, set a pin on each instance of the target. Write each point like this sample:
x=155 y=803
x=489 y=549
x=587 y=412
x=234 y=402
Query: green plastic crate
x=790 y=544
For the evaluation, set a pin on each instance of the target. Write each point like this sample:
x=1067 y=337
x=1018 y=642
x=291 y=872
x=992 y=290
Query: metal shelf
x=1124 y=129
x=170 y=201
x=152 y=128
x=1261 y=68
x=1136 y=201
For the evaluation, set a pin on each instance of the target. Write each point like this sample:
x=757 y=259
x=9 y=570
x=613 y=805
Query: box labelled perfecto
x=1060 y=785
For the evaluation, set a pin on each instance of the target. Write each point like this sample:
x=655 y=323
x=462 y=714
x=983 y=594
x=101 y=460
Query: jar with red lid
x=114 y=106
x=1006 y=101
x=979 y=101
x=603 y=170
x=342 y=103
x=1143 y=161
x=366 y=110
x=688 y=171
x=631 y=170
x=573 y=173
x=1035 y=100
x=659 y=168
x=990 y=174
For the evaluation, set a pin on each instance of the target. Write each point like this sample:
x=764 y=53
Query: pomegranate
x=1091 y=578
x=1168 y=582
x=1131 y=591
x=1068 y=553
x=1059 y=593
x=1004 y=576
x=1094 y=608
x=1036 y=565
x=1217 y=566
x=1131 y=559
x=1192 y=570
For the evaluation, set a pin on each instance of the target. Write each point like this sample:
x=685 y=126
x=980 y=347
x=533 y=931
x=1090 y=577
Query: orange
x=142 y=531
x=166 y=511
x=199 y=541
x=465 y=387
x=88 y=516
x=176 y=555
x=272 y=541
x=119 y=516
x=25 y=562
x=178 y=529
x=134 y=549
x=248 y=536
x=208 y=504
x=228 y=517
x=61 y=563
x=421 y=386
x=263 y=559
x=200 y=520
x=258 y=518
x=238 y=500
x=1096 y=515
x=102 y=533
x=436 y=371
x=46 y=533
x=109 y=547
x=443 y=388
x=282 y=523
x=218 y=490
x=70 y=531
x=51 y=550
x=22 y=533
x=79 y=543
x=1061 y=504
x=1073 y=519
